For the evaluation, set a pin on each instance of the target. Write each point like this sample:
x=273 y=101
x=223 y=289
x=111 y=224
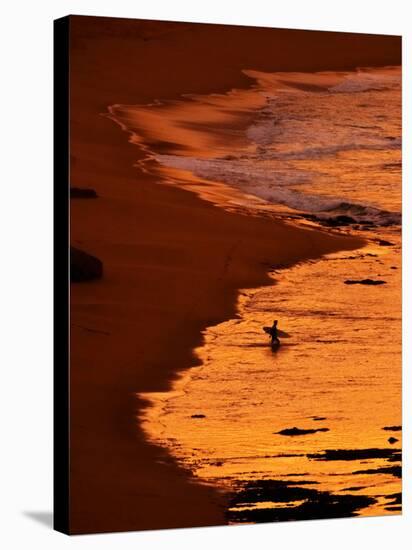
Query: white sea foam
x=318 y=151
x=274 y=187
x=364 y=81
x=327 y=144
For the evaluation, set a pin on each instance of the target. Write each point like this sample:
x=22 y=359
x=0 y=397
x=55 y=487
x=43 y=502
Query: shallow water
x=338 y=368
x=322 y=146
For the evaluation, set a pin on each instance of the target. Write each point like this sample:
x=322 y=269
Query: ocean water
x=319 y=148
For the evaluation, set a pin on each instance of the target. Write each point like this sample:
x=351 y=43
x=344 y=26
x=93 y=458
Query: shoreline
x=171 y=419
x=126 y=405
x=182 y=274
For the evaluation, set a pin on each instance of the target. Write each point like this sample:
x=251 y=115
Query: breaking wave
x=273 y=186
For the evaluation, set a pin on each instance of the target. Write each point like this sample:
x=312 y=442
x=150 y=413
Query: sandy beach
x=173 y=263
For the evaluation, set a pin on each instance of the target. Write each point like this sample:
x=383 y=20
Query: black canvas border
x=61 y=382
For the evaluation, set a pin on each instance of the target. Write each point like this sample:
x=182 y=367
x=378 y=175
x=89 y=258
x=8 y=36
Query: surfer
x=273 y=333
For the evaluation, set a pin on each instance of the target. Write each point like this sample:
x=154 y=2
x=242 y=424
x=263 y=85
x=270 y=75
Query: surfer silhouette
x=273 y=333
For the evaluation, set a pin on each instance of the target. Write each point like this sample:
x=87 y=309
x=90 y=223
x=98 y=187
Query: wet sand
x=172 y=263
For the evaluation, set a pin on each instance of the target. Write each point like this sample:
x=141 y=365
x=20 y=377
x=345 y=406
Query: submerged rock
x=301 y=431
x=392 y=440
x=84 y=266
x=364 y=282
x=338 y=221
x=291 y=501
x=341 y=220
x=395 y=471
x=396 y=498
x=356 y=454
x=198 y=416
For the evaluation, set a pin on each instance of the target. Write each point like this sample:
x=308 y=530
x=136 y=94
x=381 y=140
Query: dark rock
x=295 y=502
x=364 y=282
x=396 y=457
x=299 y=431
x=84 y=266
x=391 y=455
x=341 y=220
x=395 y=498
x=392 y=440
x=338 y=221
x=396 y=471
x=356 y=454
x=382 y=242
x=83 y=193
x=392 y=428
x=198 y=416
